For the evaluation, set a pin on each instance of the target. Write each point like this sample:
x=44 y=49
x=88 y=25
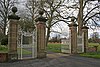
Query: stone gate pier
x=73 y=32
x=41 y=36
x=85 y=35
x=12 y=35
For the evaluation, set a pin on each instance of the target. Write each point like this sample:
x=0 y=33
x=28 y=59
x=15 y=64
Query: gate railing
x=66 y=45
x=80 y=44
x=28 y=50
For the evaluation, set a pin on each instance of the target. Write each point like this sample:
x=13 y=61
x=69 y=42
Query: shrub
x=4 y=40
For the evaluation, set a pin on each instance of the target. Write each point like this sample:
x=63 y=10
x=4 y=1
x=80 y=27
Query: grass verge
x=91 y=55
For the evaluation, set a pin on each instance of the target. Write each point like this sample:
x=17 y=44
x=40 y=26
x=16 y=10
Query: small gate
x=66 y=45
x=27 y=47
x=80 y=44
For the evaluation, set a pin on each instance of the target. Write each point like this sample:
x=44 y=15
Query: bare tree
x=51 y=9
x=28 y=14
x=91 y=15
x=85 y=11
x=62 y=10
x=5 y=7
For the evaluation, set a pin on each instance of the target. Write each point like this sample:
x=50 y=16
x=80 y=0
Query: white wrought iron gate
x=80 y=44
x=27 y=47
x=66 y=44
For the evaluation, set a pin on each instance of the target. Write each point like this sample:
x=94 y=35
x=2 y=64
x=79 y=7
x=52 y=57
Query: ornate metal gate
x=27 y=47
x=80 y=44
x=66 y=44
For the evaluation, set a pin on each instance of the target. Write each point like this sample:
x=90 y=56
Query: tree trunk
x=80 y=18
x=4 y=28
x=48 y=35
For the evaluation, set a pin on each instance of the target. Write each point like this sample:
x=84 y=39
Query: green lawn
x=4 y=49
x=54 y=47
x=92 y=54
x=57 y=48
x=24 y=51
x=51 y=47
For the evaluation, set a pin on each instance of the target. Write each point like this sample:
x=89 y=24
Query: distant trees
x=56 y=38
x=95 y=37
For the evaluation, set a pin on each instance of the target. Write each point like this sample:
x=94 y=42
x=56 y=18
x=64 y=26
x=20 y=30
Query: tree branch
x=94 y=22
x=90 y=12
x=59 y=21
x=91 y=17
x=85 y=4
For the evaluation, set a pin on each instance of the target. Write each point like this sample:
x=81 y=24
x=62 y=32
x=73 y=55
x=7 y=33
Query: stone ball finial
x=41 y=18
x=41 y=12
x=14 y=9
x=13 y=15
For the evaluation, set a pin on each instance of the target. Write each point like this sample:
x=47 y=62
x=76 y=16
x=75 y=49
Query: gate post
x=41 y=39
x=85 y=37
x=12 y=35
x=73 y=30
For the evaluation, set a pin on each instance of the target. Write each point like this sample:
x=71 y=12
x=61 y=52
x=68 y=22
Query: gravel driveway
x=56 y=60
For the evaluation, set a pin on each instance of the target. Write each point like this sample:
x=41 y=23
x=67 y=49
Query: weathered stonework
x=85 y=35
x=73 y=30
x=12 y=35
x=41 y=33
x=12 y=40
x=41 y=41
x=3 y=57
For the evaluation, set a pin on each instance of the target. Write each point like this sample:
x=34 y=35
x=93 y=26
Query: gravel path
x=56 y=60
